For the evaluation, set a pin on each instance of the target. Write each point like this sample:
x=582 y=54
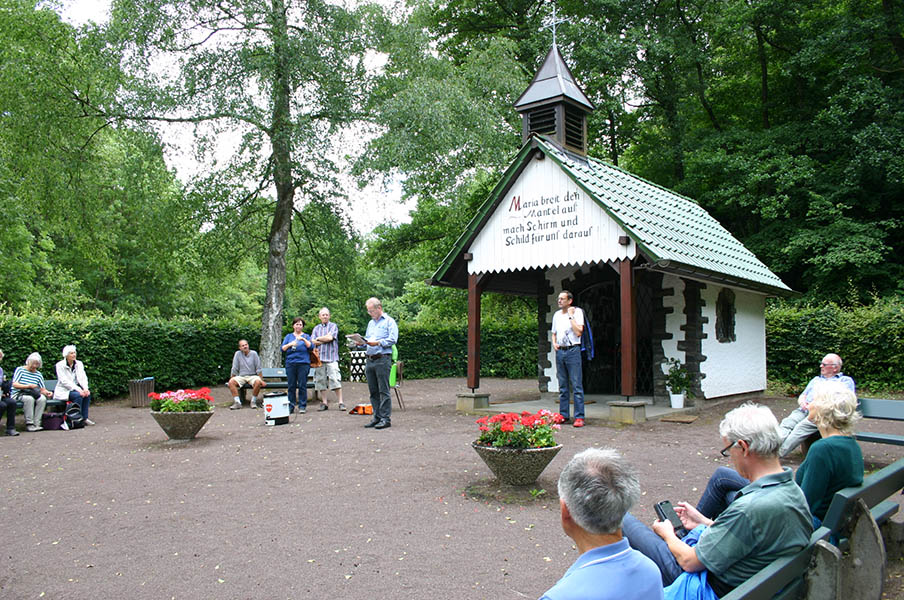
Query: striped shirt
x=329 y=352
x=23 y=375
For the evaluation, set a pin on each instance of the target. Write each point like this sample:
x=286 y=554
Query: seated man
x=768 y=519
x=246 y=369
x=796 y=427
x=596 y=489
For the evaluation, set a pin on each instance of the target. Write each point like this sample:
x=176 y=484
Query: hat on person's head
x=67 y=350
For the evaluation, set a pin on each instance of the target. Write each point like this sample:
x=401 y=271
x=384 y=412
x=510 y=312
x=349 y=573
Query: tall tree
x=271 y=81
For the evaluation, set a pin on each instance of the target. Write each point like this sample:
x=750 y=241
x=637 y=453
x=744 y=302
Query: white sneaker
x=236 y=405
x=89 y=422
x=253 y=403
x=33 y=428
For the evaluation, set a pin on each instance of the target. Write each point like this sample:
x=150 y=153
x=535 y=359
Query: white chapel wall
x=673 y=320
x=734 y=367
x=545 y=220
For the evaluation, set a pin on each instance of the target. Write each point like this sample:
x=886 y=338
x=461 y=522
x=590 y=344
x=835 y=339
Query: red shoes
x=578 y=422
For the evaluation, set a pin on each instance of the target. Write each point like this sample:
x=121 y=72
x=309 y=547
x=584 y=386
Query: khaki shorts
x=241 y=380
x=327 y=376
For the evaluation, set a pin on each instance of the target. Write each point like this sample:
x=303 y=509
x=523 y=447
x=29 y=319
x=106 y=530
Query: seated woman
x=28 y=387
x=834 y=462
x=837 y=464
x=72 y=382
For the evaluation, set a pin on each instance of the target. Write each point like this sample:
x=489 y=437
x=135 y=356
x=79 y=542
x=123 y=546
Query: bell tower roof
x=553 y=82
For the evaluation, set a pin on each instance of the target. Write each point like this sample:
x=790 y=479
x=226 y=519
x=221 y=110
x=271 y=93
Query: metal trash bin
x=139 y=390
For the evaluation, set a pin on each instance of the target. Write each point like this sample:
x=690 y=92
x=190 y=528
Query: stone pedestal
x=627 y=411
x=469 y=401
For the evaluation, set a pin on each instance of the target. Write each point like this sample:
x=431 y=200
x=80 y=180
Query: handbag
x=315 y=358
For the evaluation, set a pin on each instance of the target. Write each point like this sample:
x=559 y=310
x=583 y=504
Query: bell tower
x=554 y=105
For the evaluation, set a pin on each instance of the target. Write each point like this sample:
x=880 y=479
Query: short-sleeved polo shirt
x=769 y=519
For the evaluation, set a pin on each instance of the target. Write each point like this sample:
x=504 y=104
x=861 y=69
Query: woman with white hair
x=72 y=382
x=835 y=461
x=28 y=387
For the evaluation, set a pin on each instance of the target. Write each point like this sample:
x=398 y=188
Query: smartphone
x=666 y=512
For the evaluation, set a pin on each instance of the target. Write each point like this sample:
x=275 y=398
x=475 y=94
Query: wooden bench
x=820 y=571
x=58 y=405
x=276 y=380
x=880 y=408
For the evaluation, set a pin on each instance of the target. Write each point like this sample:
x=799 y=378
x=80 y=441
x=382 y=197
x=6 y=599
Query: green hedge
x=443 y=351
x=178 y=353
x=870 y=340
x=191 y=353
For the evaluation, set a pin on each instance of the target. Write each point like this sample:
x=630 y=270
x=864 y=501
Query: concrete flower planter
x=181 y=426
x=516 y=467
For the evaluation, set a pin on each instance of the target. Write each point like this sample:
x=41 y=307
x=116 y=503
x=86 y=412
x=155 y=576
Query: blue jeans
x=297 y=376
x=721 y=490
x=644 y=540
x=83 y=403
x=568 y=369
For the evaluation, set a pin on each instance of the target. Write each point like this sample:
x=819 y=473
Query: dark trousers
x=377 y=373
x=9 y=405
x=83 y=403
x=297 y=383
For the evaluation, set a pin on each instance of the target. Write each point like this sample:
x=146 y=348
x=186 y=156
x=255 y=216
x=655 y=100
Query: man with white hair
x=768 y=519
x=72 y=382
x=28 y=387
x=596 y=488
x=796 y=427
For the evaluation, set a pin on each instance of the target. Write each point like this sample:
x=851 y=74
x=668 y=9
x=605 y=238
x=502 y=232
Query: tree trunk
x=272 y=321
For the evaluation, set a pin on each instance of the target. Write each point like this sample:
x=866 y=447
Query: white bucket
x=677 y=400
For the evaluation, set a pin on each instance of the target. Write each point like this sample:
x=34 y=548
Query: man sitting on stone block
x=246 y=370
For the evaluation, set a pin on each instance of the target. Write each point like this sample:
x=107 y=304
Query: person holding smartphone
x=768 y=519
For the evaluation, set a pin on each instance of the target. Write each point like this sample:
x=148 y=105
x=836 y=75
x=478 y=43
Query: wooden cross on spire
x=551 y=24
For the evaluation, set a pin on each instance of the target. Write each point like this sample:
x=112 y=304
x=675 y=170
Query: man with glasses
x=768 y=519
x=795 y=427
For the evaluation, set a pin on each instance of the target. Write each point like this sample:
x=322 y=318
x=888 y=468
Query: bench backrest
x=880 y=408
x=781 y=575
x=876 y=487
x=279 y=373
x=50 y=384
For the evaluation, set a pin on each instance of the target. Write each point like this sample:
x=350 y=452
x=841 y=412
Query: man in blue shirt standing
x=596 y=489
x=381 y=335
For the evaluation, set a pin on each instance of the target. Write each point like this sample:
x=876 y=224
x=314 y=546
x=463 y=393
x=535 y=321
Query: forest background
x=785 y=120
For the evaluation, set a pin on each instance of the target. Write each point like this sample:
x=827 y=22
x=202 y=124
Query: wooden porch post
x=628 y=328
x=475 y=288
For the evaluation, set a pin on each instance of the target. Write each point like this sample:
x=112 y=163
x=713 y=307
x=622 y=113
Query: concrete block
x=469 y=401
x=627 y=411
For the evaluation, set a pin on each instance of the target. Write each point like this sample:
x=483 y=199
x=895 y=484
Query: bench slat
x=881 y=408
x=880 y=438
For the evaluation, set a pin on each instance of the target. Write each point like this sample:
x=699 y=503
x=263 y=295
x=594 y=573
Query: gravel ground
x=319 y=508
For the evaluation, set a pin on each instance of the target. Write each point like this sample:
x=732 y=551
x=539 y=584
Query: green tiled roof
x=672 y=232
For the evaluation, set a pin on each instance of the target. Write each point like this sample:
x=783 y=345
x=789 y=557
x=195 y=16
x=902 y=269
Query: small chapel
x=656 y=275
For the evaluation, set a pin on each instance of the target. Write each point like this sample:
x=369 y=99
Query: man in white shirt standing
x=567 y=327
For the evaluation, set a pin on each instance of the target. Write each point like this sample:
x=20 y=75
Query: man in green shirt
x=768 y=519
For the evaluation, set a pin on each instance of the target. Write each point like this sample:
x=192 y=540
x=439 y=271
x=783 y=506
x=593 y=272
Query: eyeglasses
x=724 y=451
x=827 y=364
